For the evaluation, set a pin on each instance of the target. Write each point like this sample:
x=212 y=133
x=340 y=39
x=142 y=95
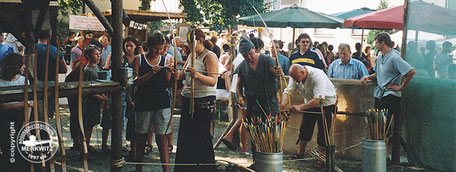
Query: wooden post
x=117 y=120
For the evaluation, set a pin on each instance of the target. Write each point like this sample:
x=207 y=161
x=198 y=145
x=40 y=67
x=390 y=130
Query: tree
x=384 y=4
x=220 y=14
x=66 y=6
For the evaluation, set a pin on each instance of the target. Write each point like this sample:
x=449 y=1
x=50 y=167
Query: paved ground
x=101 y=163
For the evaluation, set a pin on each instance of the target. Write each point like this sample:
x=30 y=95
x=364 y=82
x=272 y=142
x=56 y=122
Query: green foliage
x=384 y=4
x=66 y=6
x=220 y=14
x=145 y=5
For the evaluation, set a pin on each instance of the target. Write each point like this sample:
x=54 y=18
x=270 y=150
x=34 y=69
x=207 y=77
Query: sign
x=138 y=26
x=85 y=23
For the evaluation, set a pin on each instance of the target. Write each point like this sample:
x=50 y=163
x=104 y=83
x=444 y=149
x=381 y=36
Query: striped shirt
x=353 y=70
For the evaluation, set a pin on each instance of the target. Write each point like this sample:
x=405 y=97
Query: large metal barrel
x=374 y=155
x=268 y=162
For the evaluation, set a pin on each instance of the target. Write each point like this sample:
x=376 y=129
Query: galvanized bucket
x=127 y=75
x=374 y=155
x=268 y=162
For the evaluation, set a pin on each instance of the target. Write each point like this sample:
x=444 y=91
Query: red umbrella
x=390 y=18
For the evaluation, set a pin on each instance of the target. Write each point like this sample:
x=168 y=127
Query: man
x=306 y=56
x=389 y=69
x=215 y=48
x=346 y=67
x=105 y=52
x=257 y=81
x=77 y=50
x=443 y=60
x=283 y=60
x=316 y=87
x=4 y=49
x=178 y=55
x=43 y=39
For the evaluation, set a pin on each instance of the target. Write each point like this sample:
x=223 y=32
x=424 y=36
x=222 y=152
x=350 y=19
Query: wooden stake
x=57 y=110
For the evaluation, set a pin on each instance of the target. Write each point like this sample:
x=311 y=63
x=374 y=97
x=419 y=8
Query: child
x=91 y=103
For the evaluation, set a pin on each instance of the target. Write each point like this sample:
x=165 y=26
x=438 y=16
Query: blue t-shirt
x=354 y=69
x=4 y=50
x=388 y=67
x=309 y=58
x=284 y=63
x=41 y=62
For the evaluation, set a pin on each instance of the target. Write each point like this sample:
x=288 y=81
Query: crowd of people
x=246 y=73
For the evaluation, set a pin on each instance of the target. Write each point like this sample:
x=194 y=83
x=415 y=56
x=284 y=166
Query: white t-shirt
x=316 y=85
x=238 y=60
x=20 y=81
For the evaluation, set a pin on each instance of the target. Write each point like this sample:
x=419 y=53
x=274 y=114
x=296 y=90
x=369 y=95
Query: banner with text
x=85 y=23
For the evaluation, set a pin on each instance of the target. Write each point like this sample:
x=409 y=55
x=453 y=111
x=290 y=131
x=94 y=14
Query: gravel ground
x=101 y=163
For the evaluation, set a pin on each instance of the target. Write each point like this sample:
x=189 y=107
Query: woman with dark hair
x=12 y=113
x=194 y=143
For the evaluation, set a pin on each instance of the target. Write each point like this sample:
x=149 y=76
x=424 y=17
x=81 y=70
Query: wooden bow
x=57 y=111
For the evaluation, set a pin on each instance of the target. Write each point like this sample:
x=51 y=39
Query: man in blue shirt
x=43 y=39
x=283 y=60
x=389 y=70
x=180 y=61
x=346 y=67
x=306 y=56
x=4 y=48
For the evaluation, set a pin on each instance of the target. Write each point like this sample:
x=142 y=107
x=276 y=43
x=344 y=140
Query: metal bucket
x=268 y=162
x=374 y=155
x=127 y=75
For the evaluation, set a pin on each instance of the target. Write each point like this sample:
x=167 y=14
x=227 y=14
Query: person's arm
x=310 y=104
x=362 y=71
x=404 y=83
x=62 y=66
x=107 y=65
x=368 y=77
x=240 y=90
x=15 y=105
x=211 y=64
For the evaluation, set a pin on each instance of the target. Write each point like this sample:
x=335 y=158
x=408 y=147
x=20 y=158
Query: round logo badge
x=37 y=141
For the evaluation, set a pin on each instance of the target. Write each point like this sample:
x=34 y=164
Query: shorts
x=158 y=119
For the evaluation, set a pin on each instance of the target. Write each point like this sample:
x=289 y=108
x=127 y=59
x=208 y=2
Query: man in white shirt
x=315 y=86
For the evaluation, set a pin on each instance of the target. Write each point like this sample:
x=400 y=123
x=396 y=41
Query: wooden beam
x=16 y=93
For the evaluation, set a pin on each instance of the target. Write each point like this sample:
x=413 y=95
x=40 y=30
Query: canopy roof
x=295 y=17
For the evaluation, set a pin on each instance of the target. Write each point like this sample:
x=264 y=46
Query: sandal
x=170 y=148
x=319 y=164
x=246 y=153
x=148 y=149
x=296 y=156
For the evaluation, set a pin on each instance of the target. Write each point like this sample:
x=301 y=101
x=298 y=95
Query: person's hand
x=364 y=80
x=175 y=74
x=226 y=74
x=282 y=106
x=193 y=72
x=241 y=102
x=155 y=69
x=394 y=87
x=279 y=71
x=295 y=108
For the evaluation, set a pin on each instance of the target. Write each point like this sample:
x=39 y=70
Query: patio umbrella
x=295 y=17
x=352 y=13
x=390 y=18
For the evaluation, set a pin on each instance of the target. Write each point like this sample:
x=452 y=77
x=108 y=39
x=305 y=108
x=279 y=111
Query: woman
x=12 y=113
x=194 y=143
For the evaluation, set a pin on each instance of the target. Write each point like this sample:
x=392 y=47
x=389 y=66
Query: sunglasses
x=305 y=42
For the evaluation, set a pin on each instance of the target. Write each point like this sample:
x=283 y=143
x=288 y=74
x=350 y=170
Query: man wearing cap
x=257 y=82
